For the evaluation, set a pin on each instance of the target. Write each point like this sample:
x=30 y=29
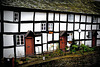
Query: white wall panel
x=63 y=17
x=8 y=53
x=93 y=27
x=27 y=16
x=20 y=51
x=38 y=49
x=44 y=37
x=98 y=36
x=44 y=47
x=36 y=40
x=50 y=16
x=82 y=26
x=89 y=19
x=70 y=27
x=56 y=16
x=76 y=26
x=77 y=18
x=88 y=43
x=82 y=35
x=88 y=27
x=8 y=40
x=8 y=16
x=76 y=35
x=50 y=47
x=56 y=36
x=56 y=27
x=62 y=26
x=26 y=26
x=10 y=27
x=49 y=37
x=40 y=16
x=98 y=43
x=83 y=18
x=56 y=46
x=37 y=27
x=99 y=20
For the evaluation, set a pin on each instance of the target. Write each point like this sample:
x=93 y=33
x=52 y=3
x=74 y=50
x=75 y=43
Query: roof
x=77 y=6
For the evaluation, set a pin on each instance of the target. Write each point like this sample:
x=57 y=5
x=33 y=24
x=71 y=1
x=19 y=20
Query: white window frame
x=20 y=40
x=43 y=26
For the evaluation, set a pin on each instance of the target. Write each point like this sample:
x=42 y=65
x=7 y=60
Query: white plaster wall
x=98 y=27
x=98 y=36
x=20 y=51
x=70 y=27
x=40 y=16
x=70 y=17
x=76 y=35
x=56 y=16
x=56 y=27
x=93 y=27
x=8 y=53
x=49 y=37
x=37 y=27
x=76 y=26
x=88 y=27
x=38 y=49
x=27 y=16
x=8 y=16
x=8 y=40
x=56 y=46
x=83 y=18
x=77 y=18
x=50 y=47
x=82 y=35
x=10 y=27
x=26 y=26
x=56 y=36
x=89 y=19
x=44 y=37
x=98 y=43
x=82 y=26
x=99 y=20
x=63 y=17
x=88 y=43
x=50 y=16
x=62 y=26
x=44 y=47
x=38 y=38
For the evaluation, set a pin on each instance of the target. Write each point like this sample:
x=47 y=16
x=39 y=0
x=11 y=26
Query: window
x=50 y=26
x=69 y=37
x=70 y=17
x=94 y=19
x=43 y=26
x=16 y=17
x=89 y=34
x=19 y=39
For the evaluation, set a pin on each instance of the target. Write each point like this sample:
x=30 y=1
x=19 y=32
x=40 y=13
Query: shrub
x=74 y=48
x=85 y=48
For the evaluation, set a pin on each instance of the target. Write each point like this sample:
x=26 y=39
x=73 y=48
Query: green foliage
x=85 y=48
x=73 y=49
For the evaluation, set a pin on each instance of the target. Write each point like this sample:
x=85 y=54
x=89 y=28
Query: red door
x=63 y=43
x=29 y=46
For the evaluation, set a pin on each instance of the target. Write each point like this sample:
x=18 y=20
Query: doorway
x=29 y=46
